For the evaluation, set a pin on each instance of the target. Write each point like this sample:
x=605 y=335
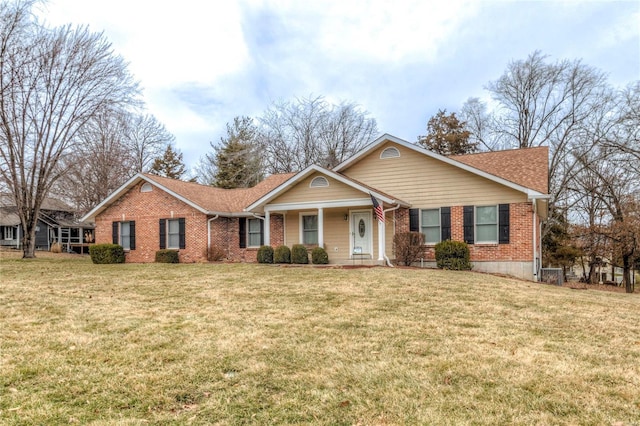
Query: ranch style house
x=494 y=201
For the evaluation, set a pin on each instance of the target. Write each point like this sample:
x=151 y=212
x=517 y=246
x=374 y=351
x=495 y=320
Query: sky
x=201 y=63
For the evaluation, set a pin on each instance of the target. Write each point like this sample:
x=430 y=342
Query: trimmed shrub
x=282 y=254
x=408 y=247
x=106 y=253
x=453 y=255
x=319 y=256
x=167 y=256
x=57 y=248
x=265 y=254
x=299 y=254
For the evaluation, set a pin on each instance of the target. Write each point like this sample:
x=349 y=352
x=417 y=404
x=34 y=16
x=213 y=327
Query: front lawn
x=255 y=344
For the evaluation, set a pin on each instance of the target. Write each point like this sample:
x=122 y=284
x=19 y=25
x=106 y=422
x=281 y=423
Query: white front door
x=361 y=233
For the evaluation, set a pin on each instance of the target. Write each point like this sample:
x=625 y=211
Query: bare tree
x=309 y=131
x=147 y=139
x=52 y=82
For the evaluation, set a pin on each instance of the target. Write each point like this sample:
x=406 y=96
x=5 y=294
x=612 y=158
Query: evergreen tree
x=169 y=165
x=447 y=135
x=236 y=161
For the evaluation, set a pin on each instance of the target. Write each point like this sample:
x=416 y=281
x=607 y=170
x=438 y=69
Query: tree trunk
x=626 y=274
x=29 y=240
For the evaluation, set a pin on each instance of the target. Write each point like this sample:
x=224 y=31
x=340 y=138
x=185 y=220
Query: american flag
x=377 y=208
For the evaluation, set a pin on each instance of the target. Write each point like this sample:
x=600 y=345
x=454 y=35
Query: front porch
x=350 y=234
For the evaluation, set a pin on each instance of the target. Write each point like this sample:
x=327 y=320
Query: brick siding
x=520 y=235
x=146 y=209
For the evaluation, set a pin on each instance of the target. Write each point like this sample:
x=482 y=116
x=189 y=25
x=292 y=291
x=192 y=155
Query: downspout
x=386 y=258
x=535 y=247
x=209 y=234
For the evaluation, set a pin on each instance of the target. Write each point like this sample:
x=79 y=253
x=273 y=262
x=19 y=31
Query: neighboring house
x=56 y=224
x=494 y=201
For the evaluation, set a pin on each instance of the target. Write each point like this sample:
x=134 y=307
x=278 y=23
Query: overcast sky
x=201 y=63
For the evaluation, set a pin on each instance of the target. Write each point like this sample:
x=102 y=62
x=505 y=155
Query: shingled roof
x=526 y=167
x=219 y=199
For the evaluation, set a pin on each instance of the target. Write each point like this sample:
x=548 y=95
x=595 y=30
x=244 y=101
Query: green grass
x=235 y=344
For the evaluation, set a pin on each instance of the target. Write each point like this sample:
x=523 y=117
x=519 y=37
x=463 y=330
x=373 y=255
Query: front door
x=361 y=233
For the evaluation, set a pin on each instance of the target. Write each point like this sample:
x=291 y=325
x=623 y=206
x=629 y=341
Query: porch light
x=346 y=217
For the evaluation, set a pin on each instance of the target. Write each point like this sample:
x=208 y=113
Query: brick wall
x=146 y=209
x=225 y=235
x=520 y=246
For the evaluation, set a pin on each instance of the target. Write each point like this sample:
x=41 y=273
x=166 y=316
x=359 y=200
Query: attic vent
x=146 y=187
x=390 y=152
x=319 y=182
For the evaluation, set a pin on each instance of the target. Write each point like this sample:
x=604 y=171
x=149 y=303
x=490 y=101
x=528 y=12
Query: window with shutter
x=467 y=225
x=414 y=220
x=445 y=223
x=503 y=224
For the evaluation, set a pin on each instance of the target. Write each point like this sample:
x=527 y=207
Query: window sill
x=486 y=244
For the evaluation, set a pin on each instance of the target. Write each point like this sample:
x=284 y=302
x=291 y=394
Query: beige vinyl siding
x=301 y=192
x=424 y=181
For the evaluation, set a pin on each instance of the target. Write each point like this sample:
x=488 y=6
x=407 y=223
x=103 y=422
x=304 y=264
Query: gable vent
x=319 y=182
x=146 y=187
x=390 y=152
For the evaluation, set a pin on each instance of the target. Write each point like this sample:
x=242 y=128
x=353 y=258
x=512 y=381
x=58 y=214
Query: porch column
x=321 y=227
x=267 y=228
x=381 y=238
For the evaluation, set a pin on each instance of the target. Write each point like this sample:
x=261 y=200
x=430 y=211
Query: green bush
x=299 y=254
x=453 y=255
x=265 y=254
x=319 y=256
x=282 y=254
x=167 y=256
x=408 y=247
x=106 y=253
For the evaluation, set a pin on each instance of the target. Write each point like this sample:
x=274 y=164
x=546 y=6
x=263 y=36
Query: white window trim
x=146 y=187
x=392 y=152
x=301 y=224
x=120 y=234
x=248 y=232
x=475 y=226
x=439 y=226
x=319 y=182
x=169 y=247
x=13 y=233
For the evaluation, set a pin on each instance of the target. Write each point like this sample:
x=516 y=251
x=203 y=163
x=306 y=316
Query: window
x=172 y=233
x=431 y=226
x=390 y=152
x=124 y=234
x=319 y=182
x=486 y=224
x=254 y=232
x=146 y=187
x=310 y=229
x=7 y=231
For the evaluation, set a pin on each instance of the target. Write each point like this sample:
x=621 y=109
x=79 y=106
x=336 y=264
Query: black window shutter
x=114 y=233
x=182 y=236
x=467 y=212
x=163 y=234
x=503 y=224
x=242 y=231
x=261 y=232
x=414 y=220
x=445 y=223
x=132 y=235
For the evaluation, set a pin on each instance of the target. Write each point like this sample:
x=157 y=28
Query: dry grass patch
x=253 y=344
